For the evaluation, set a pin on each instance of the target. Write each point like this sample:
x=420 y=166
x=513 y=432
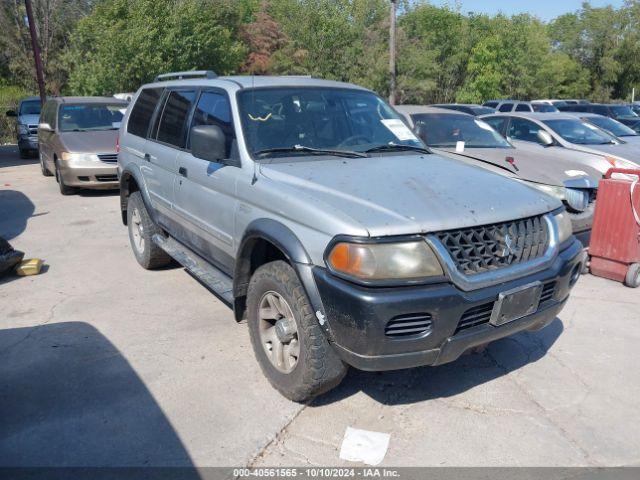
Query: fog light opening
x=575 y=274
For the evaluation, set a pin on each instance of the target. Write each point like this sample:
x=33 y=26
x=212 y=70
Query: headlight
x=79 y=157
x=23 y=130
x=565 y=230
x=384 y=261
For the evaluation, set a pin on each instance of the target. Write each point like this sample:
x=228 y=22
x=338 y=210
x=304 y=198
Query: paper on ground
x=364 y=446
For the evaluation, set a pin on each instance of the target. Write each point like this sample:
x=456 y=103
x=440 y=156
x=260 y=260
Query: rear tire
x=64 y=188
x=632 y=279
x=317 y=368
x=141 y=231
x=24 y=154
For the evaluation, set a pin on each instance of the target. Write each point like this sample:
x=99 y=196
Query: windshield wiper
x=311 y=150
x=397 y=148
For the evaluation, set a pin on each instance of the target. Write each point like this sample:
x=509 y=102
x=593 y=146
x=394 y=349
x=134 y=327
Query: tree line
x=106 y=46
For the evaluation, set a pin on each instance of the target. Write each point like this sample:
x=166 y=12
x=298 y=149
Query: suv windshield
x=612 y=126
x=580 y=133
x=30 y=107
x=445 y=130
x=90 y=116
x=291 y=121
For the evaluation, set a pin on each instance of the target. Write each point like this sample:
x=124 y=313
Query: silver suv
x=316 y=214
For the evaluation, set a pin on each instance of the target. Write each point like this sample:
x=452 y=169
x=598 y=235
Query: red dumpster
x=615 y=238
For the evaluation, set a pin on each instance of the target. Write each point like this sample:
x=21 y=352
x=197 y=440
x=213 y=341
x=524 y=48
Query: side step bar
x=212 y=278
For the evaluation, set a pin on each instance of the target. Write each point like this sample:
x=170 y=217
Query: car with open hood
x=78 y=139
x=311 y=209
x=560 y=131
x=564 y=174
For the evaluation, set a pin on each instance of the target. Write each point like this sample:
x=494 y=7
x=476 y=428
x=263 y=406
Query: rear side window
x=490 y=104
x=506 y=107
x=213 y=109
x=523 y=107
x=173 y=121
x=142 y=111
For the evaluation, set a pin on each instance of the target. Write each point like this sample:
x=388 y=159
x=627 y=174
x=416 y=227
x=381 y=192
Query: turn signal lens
x=385 y=261
x=565 y=229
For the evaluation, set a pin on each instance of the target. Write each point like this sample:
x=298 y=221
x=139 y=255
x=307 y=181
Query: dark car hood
x=394 y=195
x=99 y=141
x=534 y=163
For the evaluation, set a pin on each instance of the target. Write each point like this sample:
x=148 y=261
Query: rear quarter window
x=506 y=107
x=142 y=111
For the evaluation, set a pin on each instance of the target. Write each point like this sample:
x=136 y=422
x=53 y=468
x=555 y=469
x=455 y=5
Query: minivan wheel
x=141 y=230
x=64 y=189
x=290 y=347
x=43 y=167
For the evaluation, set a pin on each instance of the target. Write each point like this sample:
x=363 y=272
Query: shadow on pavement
x=69 y=398
x=10 y=157
x=402 y=387
x=15 y=210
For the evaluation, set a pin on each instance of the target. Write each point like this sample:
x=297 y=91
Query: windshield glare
x=446 y=130
x=93 y=116
x=320 y=118
x=580 y=133
x=30 y=107
x=616 y=128
x=622 y=111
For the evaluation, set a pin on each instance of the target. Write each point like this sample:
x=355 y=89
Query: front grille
x=490 y=247
x=107 y=178
x=108 y=157
x=33 y=130
x=475 y=316
x=406 y=325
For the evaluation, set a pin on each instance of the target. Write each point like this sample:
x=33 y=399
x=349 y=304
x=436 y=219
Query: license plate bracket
x=516 y=303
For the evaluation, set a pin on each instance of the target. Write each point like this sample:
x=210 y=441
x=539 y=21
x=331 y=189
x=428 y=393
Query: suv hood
x=534 y=162
x=405 y=194
x=99 y=141
x=29 y=119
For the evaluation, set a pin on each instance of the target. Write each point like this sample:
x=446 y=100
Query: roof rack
x=188 y=74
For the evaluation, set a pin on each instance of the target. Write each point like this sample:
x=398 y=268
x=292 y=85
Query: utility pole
x=392 y=54
x=36 y=50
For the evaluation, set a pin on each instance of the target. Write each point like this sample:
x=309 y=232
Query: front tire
x=24 y=154
x=141 y=231
x=64 y=188
x=290 y=347
x=43 y=168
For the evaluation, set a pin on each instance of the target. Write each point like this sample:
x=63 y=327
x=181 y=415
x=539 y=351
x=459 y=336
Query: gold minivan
x=78 y=139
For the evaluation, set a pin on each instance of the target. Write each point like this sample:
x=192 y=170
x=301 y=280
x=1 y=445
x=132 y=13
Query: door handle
x=182 y=171
x=147 y=157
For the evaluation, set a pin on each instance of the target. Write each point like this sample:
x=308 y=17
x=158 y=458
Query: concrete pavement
x=104 y=363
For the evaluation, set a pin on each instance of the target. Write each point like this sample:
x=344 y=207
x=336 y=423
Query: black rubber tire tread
x=43 y=168
x=319 y=368
x=632 y=279
x=64 y=189
x=24 y=154
x=153 y=256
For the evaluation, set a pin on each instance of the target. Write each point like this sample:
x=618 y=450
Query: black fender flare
x=290 y=245
x=132 y=172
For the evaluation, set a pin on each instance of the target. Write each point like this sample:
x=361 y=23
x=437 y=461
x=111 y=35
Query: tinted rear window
x=506 y=107
x=523 y=107
x=143 y=111
x=171 y=128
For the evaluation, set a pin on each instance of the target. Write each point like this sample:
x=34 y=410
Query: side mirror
x=545 y=138
x=208 y=142
x=11 y=113
x=45 y=127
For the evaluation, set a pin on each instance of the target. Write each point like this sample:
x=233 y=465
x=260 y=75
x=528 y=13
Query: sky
x=544 y=9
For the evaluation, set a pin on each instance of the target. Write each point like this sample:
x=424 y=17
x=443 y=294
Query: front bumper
x=357 y=316
x=28 y=143
x=95 y=175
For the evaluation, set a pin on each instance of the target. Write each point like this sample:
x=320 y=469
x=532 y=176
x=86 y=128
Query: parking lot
x=105 y=364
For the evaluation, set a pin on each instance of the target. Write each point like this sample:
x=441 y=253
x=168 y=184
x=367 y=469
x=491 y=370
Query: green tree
x=124 y=43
